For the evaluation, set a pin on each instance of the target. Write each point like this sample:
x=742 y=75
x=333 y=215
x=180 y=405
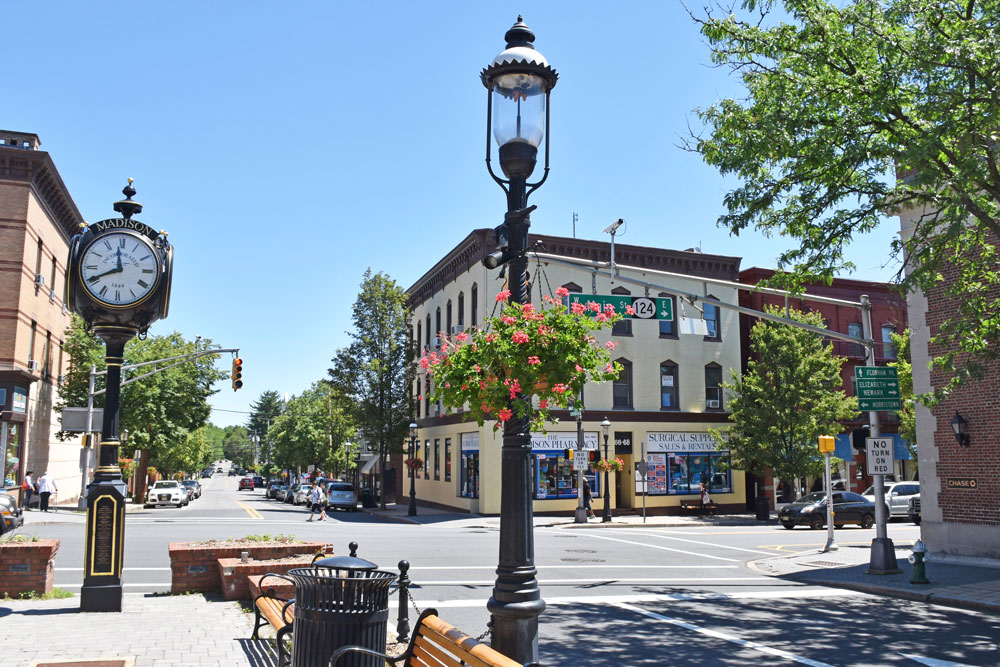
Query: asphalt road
x=623 y=596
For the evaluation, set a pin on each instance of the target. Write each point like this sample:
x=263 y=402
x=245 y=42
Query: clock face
x=119 y=269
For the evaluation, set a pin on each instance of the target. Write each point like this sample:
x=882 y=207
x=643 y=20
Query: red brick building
x=888 y=316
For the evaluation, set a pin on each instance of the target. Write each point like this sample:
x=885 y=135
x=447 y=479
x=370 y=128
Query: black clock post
x=118 y=294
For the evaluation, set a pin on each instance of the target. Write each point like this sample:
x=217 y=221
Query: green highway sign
x=878 y=388
x=644 y=307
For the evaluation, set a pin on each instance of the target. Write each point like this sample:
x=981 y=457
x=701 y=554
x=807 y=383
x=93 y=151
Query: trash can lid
x=345 y=563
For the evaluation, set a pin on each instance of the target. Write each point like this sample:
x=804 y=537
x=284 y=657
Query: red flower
x=462 y=337
x=559 y=388
x=543 y=404
x=507 y=319
x=562 y=292
x=503 y=295
x=534 y=361
x=610 y=344
x=577 y=308
x=505 y=414
x=629 y=310
x=520 y=337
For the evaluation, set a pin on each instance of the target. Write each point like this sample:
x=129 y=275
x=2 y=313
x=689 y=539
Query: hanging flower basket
x=604 y=465
x=549 y=353
x=414 y=464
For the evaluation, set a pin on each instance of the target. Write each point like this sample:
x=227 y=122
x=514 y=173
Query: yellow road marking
x=254 y=514
x=786 y=548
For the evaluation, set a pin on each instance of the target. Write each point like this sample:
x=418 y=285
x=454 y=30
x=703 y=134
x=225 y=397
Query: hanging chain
x=489 y=630
x=412 y=601
x=540 y=267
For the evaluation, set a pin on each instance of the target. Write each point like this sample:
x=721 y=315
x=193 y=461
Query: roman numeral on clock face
x=143 y=284
x=93 y=279
x=107 y=244
x=104 y=290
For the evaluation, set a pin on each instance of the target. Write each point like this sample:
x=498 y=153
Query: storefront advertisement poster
x=20 y=400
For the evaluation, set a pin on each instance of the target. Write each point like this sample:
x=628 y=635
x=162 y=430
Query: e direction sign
x=880 y=456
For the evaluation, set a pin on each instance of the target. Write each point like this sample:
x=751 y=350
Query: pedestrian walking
x=705 y=498
x=317 y=500
x=46 y=488
x=587 y=497
x=28 y=486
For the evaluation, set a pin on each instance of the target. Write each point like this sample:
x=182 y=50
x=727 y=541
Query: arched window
x=474 y=297
x=429 y=342
x=713 y=386
x=622 y=327
x=668 y=328
x=420 y=337
x=669 y=390
x=888 y=347
x=621 y=389
x=420 y=385
x=437 y=326
x=447 y=330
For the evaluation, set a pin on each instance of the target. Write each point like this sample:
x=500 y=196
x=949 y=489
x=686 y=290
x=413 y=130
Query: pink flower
x=594 y=307
x=485 y=408
x=462 y=337
x=482 y=385
x=420 y=397
x=527 y=308
x=447 y=385
x=515 y=389
x=491 y=338
x=601 y=317
x=610 y=344
x=562 y=292
x=476 y=368
x=577 y=308
x=629 y=310
x=424 y=363
x=542 y=330
x=559 y=388
x=520 y=337
x=579 y=368
x=609 y=309
x=503 y=295
x=534 y=361
x=464 y=387
x=505 y=414
x=609 y=368
x=507 y=319
x=543 y=404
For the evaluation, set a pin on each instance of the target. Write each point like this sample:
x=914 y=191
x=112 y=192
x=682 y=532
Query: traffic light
x=858 y=436
x=237 y=375
x=568 y=454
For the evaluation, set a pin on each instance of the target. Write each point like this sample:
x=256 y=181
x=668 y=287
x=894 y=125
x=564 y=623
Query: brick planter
x=233 y=574
x=194 y=567
x=26 y=567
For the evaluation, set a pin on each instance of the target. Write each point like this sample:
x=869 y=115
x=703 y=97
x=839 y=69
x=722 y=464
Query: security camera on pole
x=118 y=280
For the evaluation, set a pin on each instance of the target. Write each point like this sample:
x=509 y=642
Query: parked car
x=167 y=492
x=246 y=483
x=810 y=510
x=206 y=474
x=302 y=494
x=280 y=494
x=11 y=516
x=290 y=493
x=341 y=495
x=258 y=481
x=232 y=472
x=218 y=469
x=897 y=496
x=194 y=486
x=913 y=509
x=272 y=489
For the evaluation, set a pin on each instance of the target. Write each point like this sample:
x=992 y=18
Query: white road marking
x=933 y=662
x=778 y=653
x=711 y=544
x=579 y=567
x=656 y=546
x=598 y=580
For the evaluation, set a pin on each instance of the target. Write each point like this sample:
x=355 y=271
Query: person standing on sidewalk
x=317 y=501
x=587 y=498
x=46 y=487
x=28 y=486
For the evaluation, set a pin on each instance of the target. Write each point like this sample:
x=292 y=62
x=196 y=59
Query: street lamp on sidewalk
x=606 y=515
x=518 y=84
x=409 y=464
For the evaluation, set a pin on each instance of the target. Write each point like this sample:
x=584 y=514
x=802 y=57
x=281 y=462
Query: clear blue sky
x=288 y=146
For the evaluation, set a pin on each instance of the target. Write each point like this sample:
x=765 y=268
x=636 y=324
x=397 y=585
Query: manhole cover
x=582 y=551
x=824 y=563
x=582 y=560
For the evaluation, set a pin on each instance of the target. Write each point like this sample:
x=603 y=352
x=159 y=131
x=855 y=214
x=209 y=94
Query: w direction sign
x=878 y=388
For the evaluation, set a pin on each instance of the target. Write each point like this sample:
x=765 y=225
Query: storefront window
x=447 y=459
x=553 y=477
x=687 y=471
x=437 y=458
x=427 y=457
x=470 y=475
x=10 y=448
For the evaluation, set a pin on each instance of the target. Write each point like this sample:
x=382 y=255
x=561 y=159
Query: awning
x=844 y=450
x=369 y=466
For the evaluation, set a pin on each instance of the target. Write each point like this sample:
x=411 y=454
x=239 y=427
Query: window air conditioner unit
x=459 y=329
x=39 y=280
x=32 y=365
x=712 y=403
x=52 y=295
x=60 y=379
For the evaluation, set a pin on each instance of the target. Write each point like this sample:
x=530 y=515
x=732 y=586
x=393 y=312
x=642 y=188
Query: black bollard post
x=403 y=615
x=353 y=546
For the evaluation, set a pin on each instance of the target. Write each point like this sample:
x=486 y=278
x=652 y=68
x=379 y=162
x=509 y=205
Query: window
x=429 y=343
x=447 y=459
x=668 y=386
x=47 y=356
x=59 y=368
x=474 y=297
x=470 y=474
x=420 y=393
x=437 y=459
x=461 y=309
x=448 y=318
x=711 y=316
x=622 y=327
x=420 y=336
x=572 y=288
x=38 y=265
x=855 y=349
x=427 y=457
x=687 y=471
x=713 y=387
x=427 y=399
x=668 y=328
x=888 y=347
x=622 y=387
x=437 y=327
x=31 y=344
x=52 y=280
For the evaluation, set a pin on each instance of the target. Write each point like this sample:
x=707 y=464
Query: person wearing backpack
x=28 y=486
x=317 y=499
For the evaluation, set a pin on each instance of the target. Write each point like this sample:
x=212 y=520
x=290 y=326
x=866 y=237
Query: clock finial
x=127 y=207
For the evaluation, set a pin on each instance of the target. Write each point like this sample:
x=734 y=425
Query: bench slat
x=432 y=656
x=467 y=648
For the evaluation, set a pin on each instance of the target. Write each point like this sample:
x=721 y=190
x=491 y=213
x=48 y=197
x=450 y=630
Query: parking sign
x=881 y=460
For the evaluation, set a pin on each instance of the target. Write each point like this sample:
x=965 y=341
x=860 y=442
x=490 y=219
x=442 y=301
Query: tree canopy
x=159 y=411
x=263 y=412
x=313 y=430
x=788 y=397
x=859 y=110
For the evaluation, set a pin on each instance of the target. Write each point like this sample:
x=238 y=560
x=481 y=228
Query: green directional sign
x=878 y=388
x=644 y=307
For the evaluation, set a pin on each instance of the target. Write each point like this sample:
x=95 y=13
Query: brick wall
x=27 y=567
x=194 y=567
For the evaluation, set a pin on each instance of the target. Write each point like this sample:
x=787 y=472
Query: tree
x=236 y=445
x=263 y=412
x=160 y=410
x=857 y=110
x=376 y=371
x=788 y=397
x=313 y=430
x=907 y=416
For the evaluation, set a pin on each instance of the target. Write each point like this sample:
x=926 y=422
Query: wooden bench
x=278 y=612
x=696 y=506
x=437 y=644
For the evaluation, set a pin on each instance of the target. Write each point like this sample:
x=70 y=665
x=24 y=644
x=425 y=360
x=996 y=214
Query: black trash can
x=335 y=608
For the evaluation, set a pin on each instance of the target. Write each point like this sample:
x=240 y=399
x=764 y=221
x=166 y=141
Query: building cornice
x=37 y=169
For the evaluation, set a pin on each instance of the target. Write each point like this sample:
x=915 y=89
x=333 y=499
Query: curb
x=390 y=517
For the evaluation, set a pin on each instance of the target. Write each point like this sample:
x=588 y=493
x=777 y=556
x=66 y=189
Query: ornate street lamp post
x=606 y=514
x=413 y=491
x=518 y=84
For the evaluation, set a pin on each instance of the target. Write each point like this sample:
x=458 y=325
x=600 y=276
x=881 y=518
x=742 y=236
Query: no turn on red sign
x=880 y=456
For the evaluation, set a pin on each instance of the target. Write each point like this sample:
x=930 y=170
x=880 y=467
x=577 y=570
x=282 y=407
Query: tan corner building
x=37 y=219
x=667 y=398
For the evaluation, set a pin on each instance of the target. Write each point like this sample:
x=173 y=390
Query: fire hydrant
x=918 y=560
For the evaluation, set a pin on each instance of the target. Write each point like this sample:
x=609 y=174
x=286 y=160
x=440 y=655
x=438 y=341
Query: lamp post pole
x=413 y=491
x=518 y=82
x=606 y=514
